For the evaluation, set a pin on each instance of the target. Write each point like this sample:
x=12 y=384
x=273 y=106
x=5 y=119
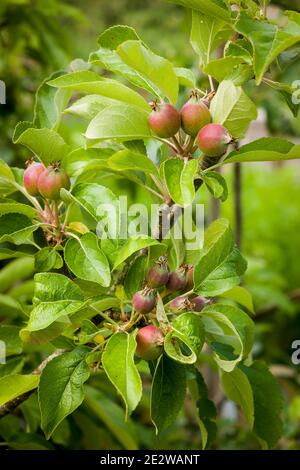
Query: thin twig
x=167 y=142
x=179 y=149
x=211 y=84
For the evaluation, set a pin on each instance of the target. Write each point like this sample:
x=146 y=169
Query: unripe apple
x=149 y=343
x=52 y=180
x=177 y=279
x=158 y=275
x=31 y=176
x=194 y=115
x=198 y=303
x=143 y=301
x=179 y=304
x=164 y=120
x=213 y=140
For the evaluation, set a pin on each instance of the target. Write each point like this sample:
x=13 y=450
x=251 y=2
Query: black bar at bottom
x=133 y=459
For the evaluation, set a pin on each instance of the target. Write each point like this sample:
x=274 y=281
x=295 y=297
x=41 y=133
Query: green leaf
x=28 y=441
x=112 y=37
x=112 y=416
x=232 y=108
x=49 y=104
x=214 y=8
x=11 y=386
x=268 y=403
x=111 y=247
x=107 y=57
x=62 y=433
x=6 y=253
x=135 y=277
x=167 y=393
x=18 y=208
x=16 y=228
x=127 y=160
x=206 y=408
x=185 y=341
x=9 y=307
x=31 y=413
x=287 y=91
x=47 y=334
x=110 y=60
x=55 y=297
x=61 y=388
x=6 y=179
x=51 y=287
x=216 y=185
x=179 y=178
x=267 y=40
x=230 y=68
x=118 y=363
x=238 y=389
x=121 y=122
x=177 y=347
x=265 y=149
x=89 y=106
x=21 y=127
x=15 y=271
x=161 y=315
x=86 y=260
x=176 y=244
x=240 y=48
x=91 y=83
x=133 y=245
x=47 y=259
x=12 y=366
x=106 y=302
x=80 y=160
x=190 y=325
x=91 y=196
x=46 y=144
x=231 y=326
x=157 y=69
x=207 y=34
x=224 y=276
x=9 y=334
x=221 y=264
x=185 y=77
x=136 y=146
x=240 y=295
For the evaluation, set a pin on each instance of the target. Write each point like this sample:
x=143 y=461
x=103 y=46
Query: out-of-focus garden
x=38 y=38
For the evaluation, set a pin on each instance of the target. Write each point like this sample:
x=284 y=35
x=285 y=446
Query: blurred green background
x=40 y=37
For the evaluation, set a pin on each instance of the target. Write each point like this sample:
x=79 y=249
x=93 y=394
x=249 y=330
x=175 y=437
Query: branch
x=12 y=404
